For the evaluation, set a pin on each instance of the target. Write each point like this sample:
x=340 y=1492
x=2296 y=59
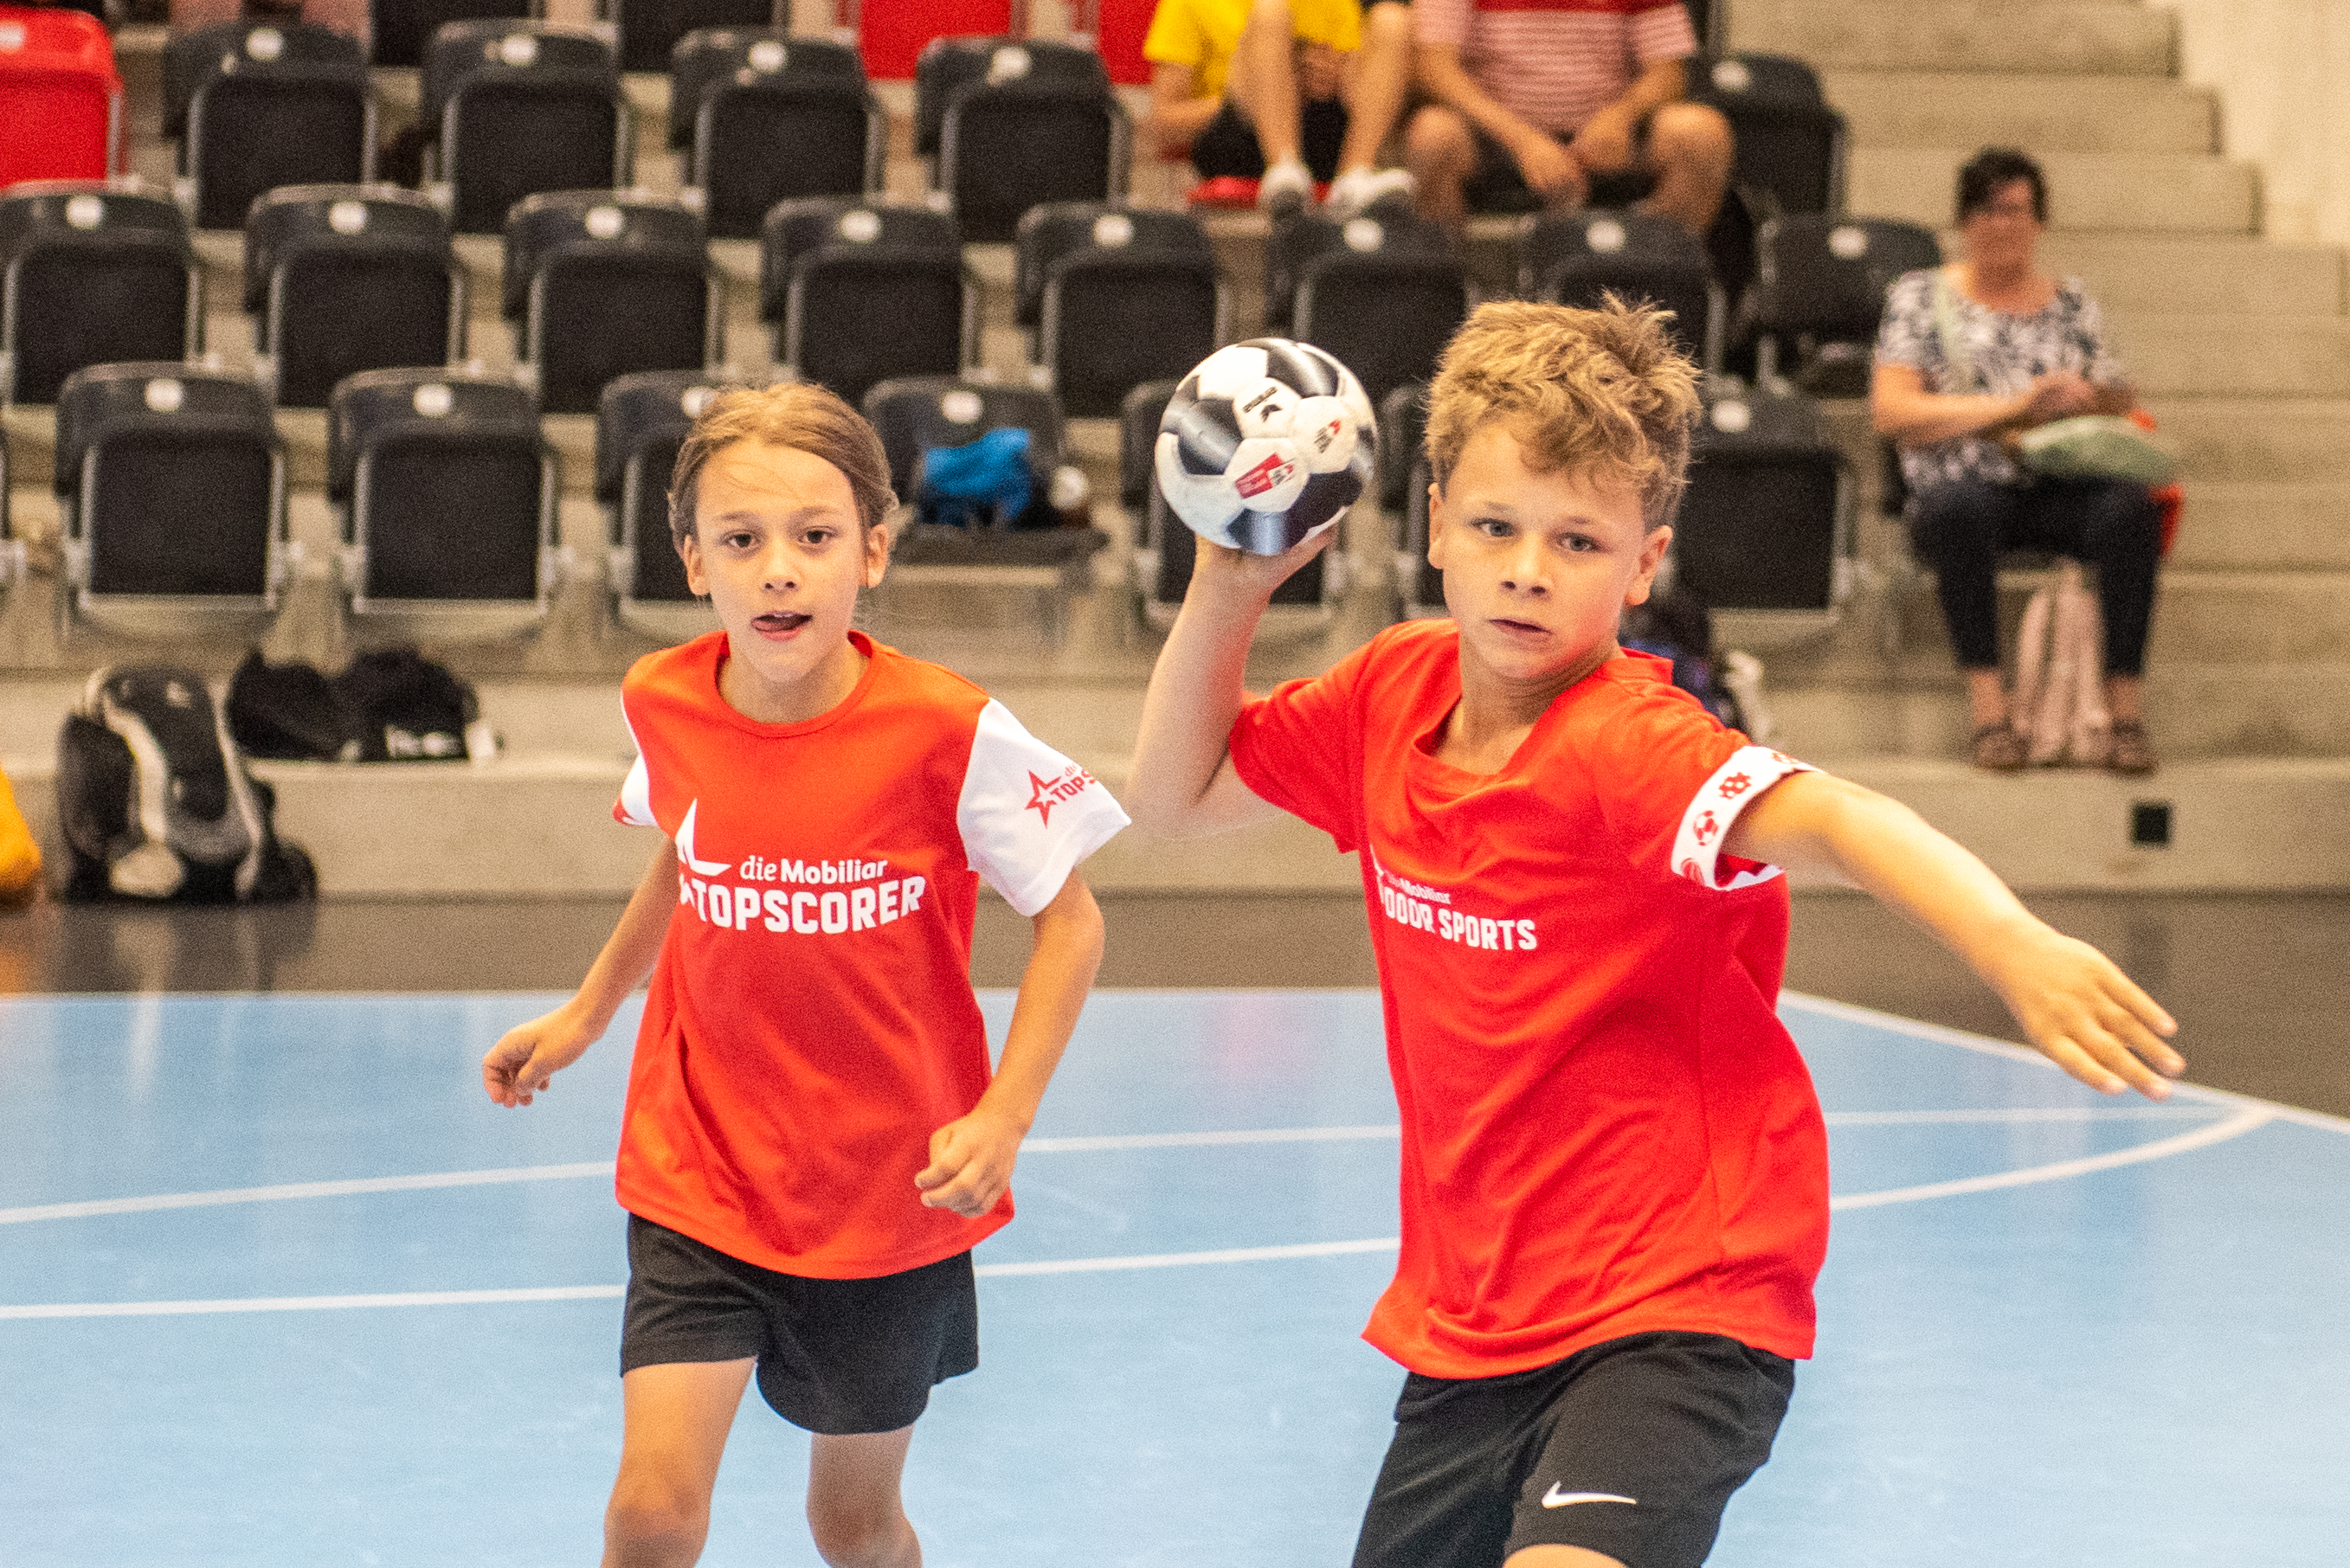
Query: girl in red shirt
x=813 y=1141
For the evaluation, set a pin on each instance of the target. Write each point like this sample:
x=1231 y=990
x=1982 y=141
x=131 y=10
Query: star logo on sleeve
x=1046 y=794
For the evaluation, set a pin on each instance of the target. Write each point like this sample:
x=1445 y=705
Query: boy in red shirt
x=1614 y=1167
x=813 y=1141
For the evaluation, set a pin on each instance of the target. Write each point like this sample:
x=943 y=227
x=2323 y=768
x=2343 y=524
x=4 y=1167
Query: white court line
x=1104 y=1143
x=302 y=1189
x=1894 y=1023
x=2237 y=1125
x=312 y=1303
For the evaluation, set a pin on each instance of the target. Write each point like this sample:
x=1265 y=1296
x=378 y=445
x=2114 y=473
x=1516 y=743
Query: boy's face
x=1537 y=567
x=776 y=546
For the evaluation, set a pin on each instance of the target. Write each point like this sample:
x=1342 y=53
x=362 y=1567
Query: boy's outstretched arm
x=2077 y=1007
x=1182 y=783
x=972 y=1156
x=521 y=1063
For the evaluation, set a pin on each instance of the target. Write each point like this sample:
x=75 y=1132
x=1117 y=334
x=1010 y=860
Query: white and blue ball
x=1266 y=443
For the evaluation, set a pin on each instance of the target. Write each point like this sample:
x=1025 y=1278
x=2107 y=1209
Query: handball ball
x=1265 y=443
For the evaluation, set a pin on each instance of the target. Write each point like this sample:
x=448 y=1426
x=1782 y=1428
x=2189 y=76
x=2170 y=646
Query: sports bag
x=20 y=857
x=2060 y=675
x=155 y=802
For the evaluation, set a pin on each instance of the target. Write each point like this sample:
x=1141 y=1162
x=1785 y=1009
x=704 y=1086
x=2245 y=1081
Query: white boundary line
x=1965 y=1042
x=1202 y=1139
x=302 y=1189
x=313 y=1304
x=1181 y=1260
x=2237 y=1125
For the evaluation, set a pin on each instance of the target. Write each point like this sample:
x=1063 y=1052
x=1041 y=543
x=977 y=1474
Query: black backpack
x=393 y=705
x=155 y=802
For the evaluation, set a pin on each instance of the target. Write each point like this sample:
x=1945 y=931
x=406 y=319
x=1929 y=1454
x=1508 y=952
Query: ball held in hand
x=1265 y=443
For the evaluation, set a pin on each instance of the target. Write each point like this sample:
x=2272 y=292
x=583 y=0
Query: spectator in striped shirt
x=1284 y=92
x=1561 y=103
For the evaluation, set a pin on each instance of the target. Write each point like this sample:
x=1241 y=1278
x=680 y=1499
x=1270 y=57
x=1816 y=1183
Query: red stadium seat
x=60 y=100
x=892 y=35
x=1118 y=29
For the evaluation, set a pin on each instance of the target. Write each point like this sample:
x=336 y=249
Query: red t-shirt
x=1606 y=1129
x=810 y=1021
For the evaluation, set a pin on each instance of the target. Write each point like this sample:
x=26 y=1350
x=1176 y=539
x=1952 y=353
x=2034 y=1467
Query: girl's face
x=777 y=546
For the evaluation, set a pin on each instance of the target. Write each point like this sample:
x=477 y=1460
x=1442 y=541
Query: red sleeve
x=1671 y=781
x=1302 y=748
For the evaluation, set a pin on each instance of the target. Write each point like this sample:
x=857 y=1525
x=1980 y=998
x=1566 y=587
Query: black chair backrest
x=651 y=29
x=341 y=216
x=1300 y=238
x=948 y=66
x=1386 y=317
x=1600 y=232
x=374 y=404
x=1790 y=143
x=648 y=406
x=917 y=412
x=175 y=484
x=227 y=48
x=1057 y=229
x=541 y=226
x=775 y=139
x=401 y=31
x=1426 y=585
x=1826 y=277
x=1758 y=527
x=794 y=230
x=497 y=47
x=94 y=277
x=709 y=56
x=1115 y=319
x=1403 y=437
x=640 y=422
x=253 y=132
x=1138 y=442
x=160 y=395
x=1013 y=145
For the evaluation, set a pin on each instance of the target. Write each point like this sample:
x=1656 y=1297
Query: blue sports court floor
x=279 y=1286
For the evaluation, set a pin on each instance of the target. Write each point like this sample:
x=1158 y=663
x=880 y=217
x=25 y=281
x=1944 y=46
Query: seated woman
x=2028 y=349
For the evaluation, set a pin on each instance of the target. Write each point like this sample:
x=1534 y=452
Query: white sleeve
x=1735 y=786
x=635 y=806
x=1027 y=814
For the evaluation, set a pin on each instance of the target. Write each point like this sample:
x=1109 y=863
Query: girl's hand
x=2082 y=1012
x=970 y=1164
x=528 y=1055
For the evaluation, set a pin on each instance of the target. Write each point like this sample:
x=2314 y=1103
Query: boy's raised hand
x=529 y=1055
x=971 y=1163
x=2082 y=1012
x=1244 y=575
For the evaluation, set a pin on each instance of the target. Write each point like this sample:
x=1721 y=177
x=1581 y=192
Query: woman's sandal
x=1997 y=747
x=2130 y=752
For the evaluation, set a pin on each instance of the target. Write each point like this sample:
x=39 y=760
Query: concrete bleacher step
x=2234 y=356
x=2045 y=113
x=2162 y=192
x=2114 y=38
x=2276 y=439
x=2192 y=273
x=2265 y=523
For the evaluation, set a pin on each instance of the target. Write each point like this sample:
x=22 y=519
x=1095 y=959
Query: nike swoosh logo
x=1554 y=1497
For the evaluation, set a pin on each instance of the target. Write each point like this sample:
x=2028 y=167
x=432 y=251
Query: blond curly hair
x=795 y=414
x=1602 y=392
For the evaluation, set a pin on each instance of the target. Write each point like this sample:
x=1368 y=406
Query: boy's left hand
x=970 y=1164
x=2082 y=1012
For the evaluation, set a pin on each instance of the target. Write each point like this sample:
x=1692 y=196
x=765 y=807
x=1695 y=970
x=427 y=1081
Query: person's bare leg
x=1986 y=699
x=1378 y=74
x=2126 y=699
x=1690 y=146
x=1560 y=1557
x=1441 y=152
x=853 y=1509
x=674 y=1426
x=1263 y=80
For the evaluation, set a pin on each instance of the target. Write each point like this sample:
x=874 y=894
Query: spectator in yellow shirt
x=1285 y=92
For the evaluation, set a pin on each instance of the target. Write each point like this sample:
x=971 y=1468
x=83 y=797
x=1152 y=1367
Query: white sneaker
x=1359 y=190
x=1287 y=186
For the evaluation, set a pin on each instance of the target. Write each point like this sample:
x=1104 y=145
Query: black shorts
x=1630 y=1447
x=835 y=1357
x=1495 y=185
x=1227 y=145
